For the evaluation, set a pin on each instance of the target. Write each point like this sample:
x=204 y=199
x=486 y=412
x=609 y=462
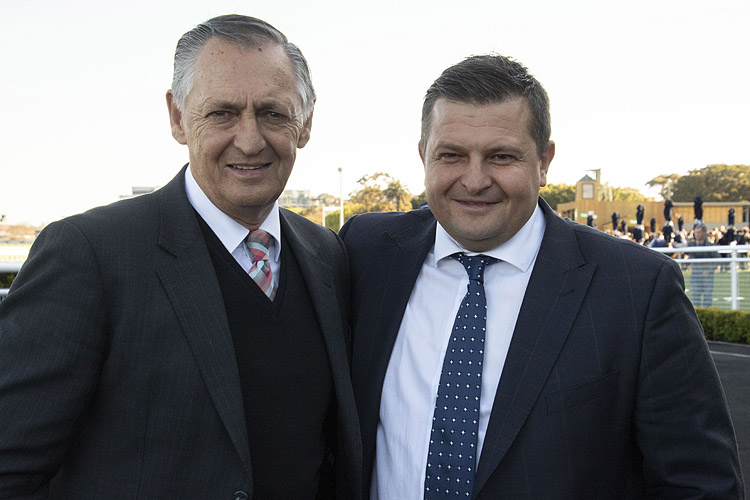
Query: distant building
x=588 y=202
x=15 y=242
x=295 y=198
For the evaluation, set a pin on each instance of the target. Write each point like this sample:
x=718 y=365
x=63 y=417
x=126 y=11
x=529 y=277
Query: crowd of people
x=719 y=235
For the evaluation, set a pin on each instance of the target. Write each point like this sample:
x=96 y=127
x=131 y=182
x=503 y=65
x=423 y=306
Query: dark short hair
x=490 y=79
x=247 y=32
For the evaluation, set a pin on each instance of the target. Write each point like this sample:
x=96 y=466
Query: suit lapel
x=328 y=290
x=190 y=282
x=553 y=297
x=386 y=293
x=318 y=275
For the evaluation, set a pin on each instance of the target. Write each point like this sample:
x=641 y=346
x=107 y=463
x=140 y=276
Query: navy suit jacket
x=608 y=391
x=118 y=376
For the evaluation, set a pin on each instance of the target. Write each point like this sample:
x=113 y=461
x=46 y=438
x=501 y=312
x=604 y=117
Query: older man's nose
x=249 y=136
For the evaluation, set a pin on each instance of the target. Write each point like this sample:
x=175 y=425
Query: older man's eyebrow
x=223 y=103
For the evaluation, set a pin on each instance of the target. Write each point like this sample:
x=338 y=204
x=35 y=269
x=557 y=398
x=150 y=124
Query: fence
x=8 y=267
x=723 y=283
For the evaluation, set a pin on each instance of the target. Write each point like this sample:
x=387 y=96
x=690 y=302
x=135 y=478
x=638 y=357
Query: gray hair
x=246 y=32
x=490 y=79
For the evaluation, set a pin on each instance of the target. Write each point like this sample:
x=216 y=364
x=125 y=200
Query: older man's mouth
x=248 y=168
x=477 y=203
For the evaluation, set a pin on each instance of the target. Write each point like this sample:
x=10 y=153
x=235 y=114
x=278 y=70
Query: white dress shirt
x=411 y=380
x=230 y=232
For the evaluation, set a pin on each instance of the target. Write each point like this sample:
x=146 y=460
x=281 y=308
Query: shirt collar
x=230 y=232
x=520 y=251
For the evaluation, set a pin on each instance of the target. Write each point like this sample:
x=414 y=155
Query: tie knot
x=258 y=243
x=474 y=264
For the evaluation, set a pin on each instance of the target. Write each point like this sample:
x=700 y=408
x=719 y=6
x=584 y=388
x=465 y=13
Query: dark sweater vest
x=285 y=374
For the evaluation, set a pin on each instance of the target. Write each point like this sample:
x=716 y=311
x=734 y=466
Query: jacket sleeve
x=51 y=348
x=683 y=428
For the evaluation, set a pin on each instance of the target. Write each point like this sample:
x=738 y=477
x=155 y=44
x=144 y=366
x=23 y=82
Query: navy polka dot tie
x=453 y=441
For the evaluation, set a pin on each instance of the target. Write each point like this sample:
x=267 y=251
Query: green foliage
x=554 y=194
x=611 y=193
x=628 y=194
x=417 y=201
x=332 y=219
x=328 y=200
x=381 y=193
x=712 y=183
x=397 y=194
x=6 y=279
x=725 y=326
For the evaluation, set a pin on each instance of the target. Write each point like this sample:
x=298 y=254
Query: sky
x=637 y=89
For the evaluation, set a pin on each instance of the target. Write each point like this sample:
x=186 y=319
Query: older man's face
x=242 y=122
x=482 y=170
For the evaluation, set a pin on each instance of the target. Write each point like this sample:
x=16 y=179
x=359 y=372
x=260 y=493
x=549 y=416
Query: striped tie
x=258 y=243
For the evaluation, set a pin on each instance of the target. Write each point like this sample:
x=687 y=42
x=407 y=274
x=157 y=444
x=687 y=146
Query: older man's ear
x=175 y=119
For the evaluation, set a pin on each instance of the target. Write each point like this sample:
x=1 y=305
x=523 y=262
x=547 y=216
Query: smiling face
x=242 y=122
x=482 y=170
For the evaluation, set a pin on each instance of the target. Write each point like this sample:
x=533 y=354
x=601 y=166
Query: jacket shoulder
x=116 y=223
x=373 y=225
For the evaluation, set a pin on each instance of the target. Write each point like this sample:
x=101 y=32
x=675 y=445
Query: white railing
x=8 y=267
x=729 y=279
x=730 y=284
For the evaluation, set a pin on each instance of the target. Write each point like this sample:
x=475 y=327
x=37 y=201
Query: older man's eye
x=447 y=156
x=275 y=115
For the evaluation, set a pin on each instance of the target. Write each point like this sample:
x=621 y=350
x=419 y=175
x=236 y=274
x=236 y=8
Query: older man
x=491 y=356
x=190 y=343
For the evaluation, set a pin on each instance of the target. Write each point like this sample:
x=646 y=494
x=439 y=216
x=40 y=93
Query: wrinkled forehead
x=220 y=51
x=226 y=64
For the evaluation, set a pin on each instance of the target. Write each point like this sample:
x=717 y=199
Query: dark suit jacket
x=118 y=376
x=608 y=391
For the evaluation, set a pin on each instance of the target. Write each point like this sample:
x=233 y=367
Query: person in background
x=702 y=274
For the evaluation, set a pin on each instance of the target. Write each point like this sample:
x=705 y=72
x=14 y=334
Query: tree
x=398 y=195
x=332 y=219
x=666 y=185
x=554 y=194
x=313 y=213
x=628 y=194
x=380 y=193
x=419 y=200
x=714 y=183
x=328 y=200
